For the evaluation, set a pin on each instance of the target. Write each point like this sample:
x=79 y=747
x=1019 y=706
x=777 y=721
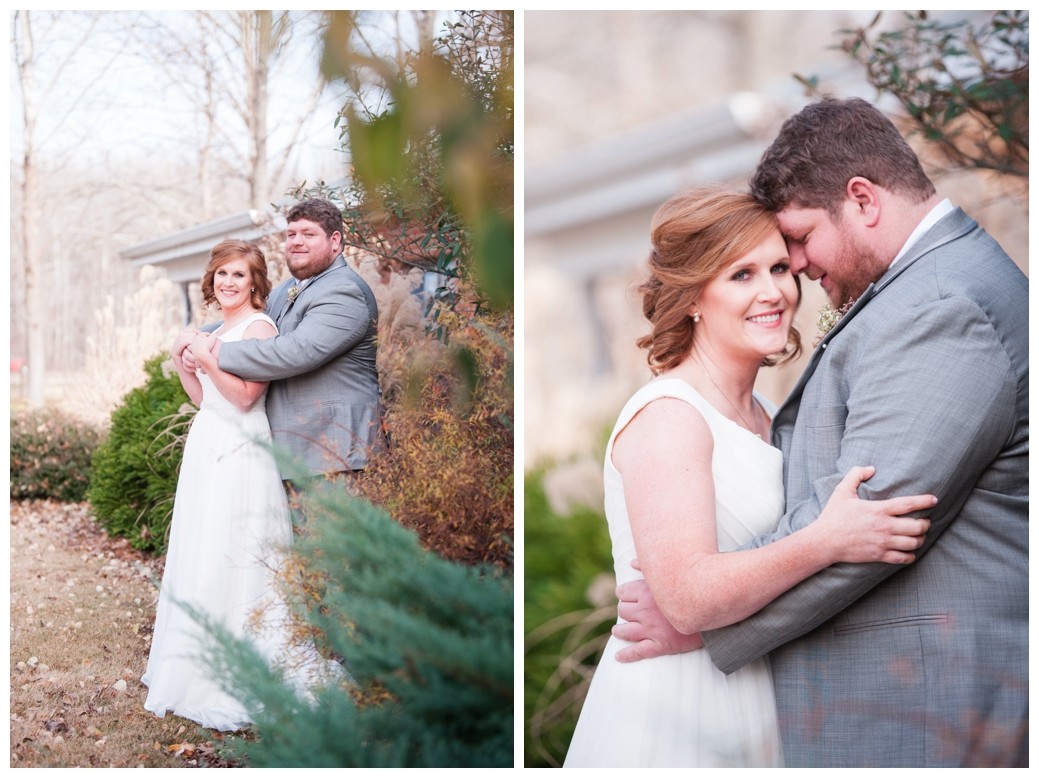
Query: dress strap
x=655 y=390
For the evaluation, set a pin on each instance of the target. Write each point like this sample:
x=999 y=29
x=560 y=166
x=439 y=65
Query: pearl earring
x=696 y=318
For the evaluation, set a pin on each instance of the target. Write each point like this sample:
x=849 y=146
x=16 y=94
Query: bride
x=689 y=474
x=230 y=517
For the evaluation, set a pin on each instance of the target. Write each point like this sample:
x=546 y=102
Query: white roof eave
x=199 y=239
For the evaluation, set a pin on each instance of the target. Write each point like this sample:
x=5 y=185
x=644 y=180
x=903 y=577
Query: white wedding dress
x=680 y=710
x=229 y=529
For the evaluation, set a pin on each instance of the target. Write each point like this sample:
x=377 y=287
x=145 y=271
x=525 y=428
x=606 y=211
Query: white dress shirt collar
x=943 y=208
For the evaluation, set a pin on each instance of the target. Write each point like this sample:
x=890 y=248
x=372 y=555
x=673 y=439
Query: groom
x=925 y=377
x=323 y=401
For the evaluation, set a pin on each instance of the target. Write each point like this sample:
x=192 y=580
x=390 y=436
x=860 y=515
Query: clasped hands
x=189 y=343
x=650 y=634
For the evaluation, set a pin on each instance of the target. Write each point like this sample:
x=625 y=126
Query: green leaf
x=378 y=148
x=493 y=258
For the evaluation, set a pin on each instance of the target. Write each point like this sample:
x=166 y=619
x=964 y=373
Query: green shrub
x=563 y=632
x=50 y=456
x=135 y=470
x=427 y=643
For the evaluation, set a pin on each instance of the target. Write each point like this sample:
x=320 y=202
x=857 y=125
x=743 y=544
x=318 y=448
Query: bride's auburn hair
x=694 y=236
x=227 y=250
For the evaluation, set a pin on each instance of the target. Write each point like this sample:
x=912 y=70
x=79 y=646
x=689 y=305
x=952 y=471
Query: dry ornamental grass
x=82 y=610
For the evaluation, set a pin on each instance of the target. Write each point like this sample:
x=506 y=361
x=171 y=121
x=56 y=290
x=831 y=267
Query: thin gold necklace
x=746 y=425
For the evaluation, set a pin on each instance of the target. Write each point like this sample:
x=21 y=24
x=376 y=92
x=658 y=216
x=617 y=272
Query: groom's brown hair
x=319 y=211
x=818 y=150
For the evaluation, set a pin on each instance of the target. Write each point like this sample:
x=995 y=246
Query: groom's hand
x=183 y=341
x=650 y=633
x=188 y=357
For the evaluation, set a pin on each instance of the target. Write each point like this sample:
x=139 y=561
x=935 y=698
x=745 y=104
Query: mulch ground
x=82 y=610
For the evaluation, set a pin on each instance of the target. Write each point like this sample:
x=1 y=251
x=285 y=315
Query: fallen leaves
x=82 y=617
x=198 y=755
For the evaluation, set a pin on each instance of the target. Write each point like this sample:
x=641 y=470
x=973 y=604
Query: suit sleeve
x=932 y=404
x=332 y=324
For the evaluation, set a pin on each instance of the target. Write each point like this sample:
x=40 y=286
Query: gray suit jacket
x=927 y=665
x=323 y=400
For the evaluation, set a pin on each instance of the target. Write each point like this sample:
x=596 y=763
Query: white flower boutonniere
x=828 y=318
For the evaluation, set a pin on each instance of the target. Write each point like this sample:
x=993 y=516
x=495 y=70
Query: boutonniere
x=828 y=318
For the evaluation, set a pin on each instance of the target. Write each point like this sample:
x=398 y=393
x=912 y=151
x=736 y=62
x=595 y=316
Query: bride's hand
x=189 y=361
x=859 y=530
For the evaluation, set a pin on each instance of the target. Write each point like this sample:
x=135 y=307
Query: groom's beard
x=853 y=271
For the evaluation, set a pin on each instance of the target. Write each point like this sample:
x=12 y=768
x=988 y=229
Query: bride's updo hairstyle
x=694 y=236
x=227 y=250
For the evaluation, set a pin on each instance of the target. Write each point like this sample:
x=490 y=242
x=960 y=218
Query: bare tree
x=35 y=260
x=260 y=41
x=223 y=63
x=22 y=44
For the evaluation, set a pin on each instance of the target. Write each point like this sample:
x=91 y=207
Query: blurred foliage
x=433 y=165
x=964 y=87
x=51 y=454
x=564 y=633
x=134 y=477
x=427 y=644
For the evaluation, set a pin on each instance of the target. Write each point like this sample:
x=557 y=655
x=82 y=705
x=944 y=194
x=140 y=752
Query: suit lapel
x=788 y=410
x=952 y=227
x=276 y=302
x=338 y=262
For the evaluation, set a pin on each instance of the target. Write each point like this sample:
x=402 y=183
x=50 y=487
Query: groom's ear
x=865 y=196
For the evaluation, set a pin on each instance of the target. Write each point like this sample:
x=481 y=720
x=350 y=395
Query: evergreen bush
x=427 y=643
x=50 y=456
x=134 y=476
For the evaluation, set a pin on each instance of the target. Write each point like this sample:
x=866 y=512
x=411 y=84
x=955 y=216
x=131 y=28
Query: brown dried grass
x=449 y=470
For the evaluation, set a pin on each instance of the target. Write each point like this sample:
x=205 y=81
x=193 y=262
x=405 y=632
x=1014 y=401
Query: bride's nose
x=769 y=290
